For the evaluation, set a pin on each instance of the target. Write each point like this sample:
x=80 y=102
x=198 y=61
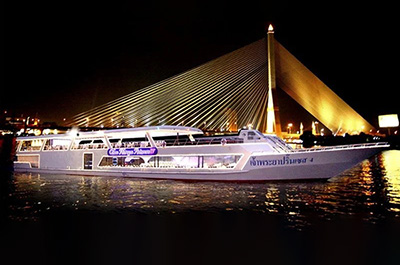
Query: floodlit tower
x=313 y=129
x=273 y=119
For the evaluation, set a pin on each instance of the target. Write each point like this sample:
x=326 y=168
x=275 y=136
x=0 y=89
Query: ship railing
x=278 y=145
x=205 y=141
x=341 y=147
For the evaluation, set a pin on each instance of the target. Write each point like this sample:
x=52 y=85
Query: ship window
x=98 y=144
x=251 y=135
x=56 y=144
x=32 y=159
x=31 y=145
x=131 y=142
x=212 y=162
x=162 y=161
x=133 y=161
x=115 y=142
x=89 y=144
x=17 y=144
x=121 y=161
x=186 y=161
x=221 y=161
x=81 y=144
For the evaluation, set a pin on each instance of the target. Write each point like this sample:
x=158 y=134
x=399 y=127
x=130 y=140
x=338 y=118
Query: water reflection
x=370 y=190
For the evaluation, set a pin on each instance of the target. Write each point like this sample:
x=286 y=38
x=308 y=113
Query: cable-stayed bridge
x=229 y=92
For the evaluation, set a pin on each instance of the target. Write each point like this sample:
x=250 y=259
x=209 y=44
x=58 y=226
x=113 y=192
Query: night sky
x=65 y=57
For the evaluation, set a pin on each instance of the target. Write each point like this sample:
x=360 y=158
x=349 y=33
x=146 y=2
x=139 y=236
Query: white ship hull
x=298 y=172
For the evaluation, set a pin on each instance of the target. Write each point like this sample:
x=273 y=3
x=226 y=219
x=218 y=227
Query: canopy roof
x=154 y=131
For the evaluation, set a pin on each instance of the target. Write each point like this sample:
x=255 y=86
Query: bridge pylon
x=273 y=116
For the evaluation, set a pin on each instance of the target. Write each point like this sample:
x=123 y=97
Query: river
x=357 y=212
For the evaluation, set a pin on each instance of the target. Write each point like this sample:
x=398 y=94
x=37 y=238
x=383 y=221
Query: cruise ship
x=184 y=153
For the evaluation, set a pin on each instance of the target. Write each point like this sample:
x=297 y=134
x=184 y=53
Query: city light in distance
x=388 y=121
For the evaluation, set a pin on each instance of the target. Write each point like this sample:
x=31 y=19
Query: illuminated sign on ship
x=132 y=151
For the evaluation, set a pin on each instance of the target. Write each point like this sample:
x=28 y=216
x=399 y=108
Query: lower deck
x=101 y=161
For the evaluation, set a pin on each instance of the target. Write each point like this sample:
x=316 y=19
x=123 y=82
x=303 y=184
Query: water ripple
x=370 y=190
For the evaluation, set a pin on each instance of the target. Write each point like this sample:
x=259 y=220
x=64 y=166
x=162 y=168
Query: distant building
x=14 y=122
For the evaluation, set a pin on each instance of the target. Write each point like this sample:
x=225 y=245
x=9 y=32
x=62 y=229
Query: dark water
x=353 y=218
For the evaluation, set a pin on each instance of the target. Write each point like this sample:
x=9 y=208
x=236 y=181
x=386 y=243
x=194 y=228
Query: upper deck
x=154 y=131
x=155 y=136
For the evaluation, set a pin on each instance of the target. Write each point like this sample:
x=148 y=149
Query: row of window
x=218 y=161
x=64 y=144
x=91 y=144
x=213 y=162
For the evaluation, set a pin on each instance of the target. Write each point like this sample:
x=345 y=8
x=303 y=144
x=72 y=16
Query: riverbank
x=310 y=140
